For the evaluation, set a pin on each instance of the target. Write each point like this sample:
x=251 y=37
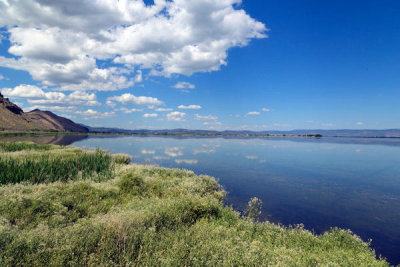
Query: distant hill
x=13 y=118
x=345 y=132
x=327 y=133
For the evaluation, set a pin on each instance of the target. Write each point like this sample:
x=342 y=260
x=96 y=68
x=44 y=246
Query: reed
x=50 y=166
x=19 y=146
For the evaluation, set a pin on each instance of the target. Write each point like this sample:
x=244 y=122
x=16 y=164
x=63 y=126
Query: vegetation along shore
x=63 y=206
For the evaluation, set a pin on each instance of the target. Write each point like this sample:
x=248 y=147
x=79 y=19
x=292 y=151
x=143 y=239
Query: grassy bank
x=107 y=212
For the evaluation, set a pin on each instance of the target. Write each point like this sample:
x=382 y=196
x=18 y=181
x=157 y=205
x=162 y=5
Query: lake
x=351 y=183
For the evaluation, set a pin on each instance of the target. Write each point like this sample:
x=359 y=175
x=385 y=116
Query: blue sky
x=221 y=64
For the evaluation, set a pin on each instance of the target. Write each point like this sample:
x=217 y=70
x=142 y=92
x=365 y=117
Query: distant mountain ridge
x=389 y=133
x=13 y=118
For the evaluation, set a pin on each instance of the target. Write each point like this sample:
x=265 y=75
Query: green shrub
x=56 y=206
x=121 y=158
x=253 y=210
x=132 y=183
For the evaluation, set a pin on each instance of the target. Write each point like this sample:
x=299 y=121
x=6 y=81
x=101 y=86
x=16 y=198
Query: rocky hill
x=13 y=118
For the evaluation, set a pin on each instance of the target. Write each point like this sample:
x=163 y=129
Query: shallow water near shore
x=350 y=183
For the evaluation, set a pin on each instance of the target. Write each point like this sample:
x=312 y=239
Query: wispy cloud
x=204 y=150
x=93 y=114
x=129 y=110
x=161 y=158
x=147 y=152
x=212 y=123
x=150 y=115
x=189 y=107
x=328 y=124
x=206 y=118
x=173 y=152
x=280 y=125
x=186 y=161
x=110 y=103
x=184 y=86
x=164 y=109
x=253 y=113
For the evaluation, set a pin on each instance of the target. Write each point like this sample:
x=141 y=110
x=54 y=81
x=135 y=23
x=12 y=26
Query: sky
x=205 y=64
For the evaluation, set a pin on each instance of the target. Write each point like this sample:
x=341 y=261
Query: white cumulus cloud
x=176 y=116
x=167 y=37
x=24 y=91
x=60 y=43
x=39 y=98
x=129 y=99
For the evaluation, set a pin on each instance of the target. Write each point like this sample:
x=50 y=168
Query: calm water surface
x=345 y=182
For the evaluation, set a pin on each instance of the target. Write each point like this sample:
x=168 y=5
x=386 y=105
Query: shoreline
x=307 y=136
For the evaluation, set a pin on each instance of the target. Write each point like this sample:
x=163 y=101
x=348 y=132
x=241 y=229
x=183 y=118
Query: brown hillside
x=51 y=121
x=13 y=118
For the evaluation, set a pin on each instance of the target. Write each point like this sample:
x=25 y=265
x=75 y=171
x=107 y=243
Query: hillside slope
x=13 y=118
x=51 y=121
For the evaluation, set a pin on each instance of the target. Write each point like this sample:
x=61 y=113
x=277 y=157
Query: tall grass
x=47 y=167
x=18 y=146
